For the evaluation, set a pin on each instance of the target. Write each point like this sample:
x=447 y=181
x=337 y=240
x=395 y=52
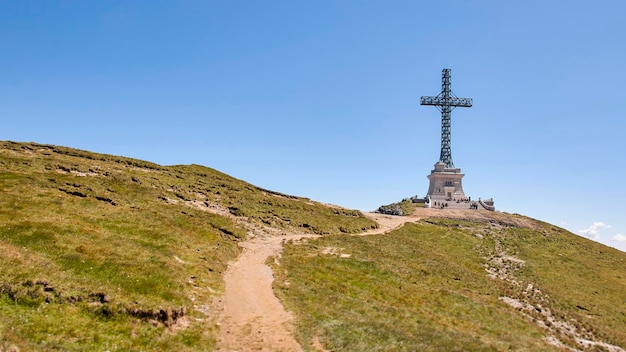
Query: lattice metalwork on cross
x=446 y=101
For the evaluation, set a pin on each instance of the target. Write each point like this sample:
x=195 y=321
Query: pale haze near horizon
x=321 y=99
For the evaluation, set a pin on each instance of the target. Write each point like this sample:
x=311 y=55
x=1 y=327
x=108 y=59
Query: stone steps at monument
x=457 y=206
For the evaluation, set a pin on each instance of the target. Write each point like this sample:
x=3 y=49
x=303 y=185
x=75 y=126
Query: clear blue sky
x=321 y=98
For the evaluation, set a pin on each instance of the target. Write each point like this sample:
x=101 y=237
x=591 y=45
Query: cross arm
x=452 y=101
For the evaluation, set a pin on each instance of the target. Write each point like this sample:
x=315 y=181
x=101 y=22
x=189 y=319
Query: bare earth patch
x=253 y=319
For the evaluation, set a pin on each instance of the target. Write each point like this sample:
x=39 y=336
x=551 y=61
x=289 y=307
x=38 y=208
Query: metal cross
x=445 y=102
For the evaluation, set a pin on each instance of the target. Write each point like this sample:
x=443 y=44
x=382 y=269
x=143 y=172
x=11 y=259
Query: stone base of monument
x=446 y=183
x=446 y=191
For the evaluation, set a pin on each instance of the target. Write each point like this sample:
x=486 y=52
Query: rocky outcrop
x=391 y=209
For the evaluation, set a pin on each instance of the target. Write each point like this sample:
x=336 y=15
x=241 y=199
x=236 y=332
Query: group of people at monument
x=443 y=205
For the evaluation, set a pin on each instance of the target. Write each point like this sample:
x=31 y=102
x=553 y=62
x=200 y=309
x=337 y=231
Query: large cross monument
x=446 y=180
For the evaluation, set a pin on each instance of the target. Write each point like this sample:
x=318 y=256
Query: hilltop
x=100 y=252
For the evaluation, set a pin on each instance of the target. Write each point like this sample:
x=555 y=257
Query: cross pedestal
x=446 y=184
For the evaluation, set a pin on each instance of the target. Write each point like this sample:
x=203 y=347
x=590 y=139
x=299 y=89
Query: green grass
x=408 y=206
x=424 y=287
x=586 y=280
x=99 y=252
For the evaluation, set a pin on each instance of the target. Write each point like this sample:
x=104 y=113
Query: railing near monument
x=486 y=206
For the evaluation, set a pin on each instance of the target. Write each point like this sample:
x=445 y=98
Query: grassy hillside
x=99 y=252
x=509 y=283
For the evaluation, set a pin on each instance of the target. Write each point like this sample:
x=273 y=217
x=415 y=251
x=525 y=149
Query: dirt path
x=387 y=223
x=252 y=318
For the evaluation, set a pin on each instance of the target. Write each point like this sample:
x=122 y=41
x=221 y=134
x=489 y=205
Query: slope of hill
x=99 y=252
x=456 y=281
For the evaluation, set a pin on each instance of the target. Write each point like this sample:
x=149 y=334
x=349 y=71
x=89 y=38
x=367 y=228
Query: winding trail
x=252 y=318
